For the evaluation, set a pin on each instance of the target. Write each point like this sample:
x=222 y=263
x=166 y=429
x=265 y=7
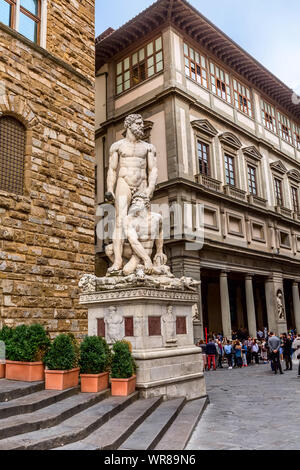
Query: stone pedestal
x=159 y=325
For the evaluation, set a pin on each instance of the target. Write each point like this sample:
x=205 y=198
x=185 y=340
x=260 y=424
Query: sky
x=267 y=29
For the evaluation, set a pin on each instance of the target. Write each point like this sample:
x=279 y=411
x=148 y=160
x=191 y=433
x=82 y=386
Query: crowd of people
x=244 y=351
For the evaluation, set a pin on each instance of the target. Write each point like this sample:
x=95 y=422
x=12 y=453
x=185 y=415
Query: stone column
x=271 y=304
x=296 y=302
x=250 y=306
x=225 y=305
x=198 y=322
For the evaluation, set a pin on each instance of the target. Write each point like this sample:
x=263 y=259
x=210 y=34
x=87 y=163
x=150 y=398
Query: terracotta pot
x=123 y=387
x=2 y=371
x=25 y=371
x=93 y=383
x=61 y=379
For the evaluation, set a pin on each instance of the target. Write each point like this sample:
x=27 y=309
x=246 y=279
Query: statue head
x=140 y=202
x=135 y=123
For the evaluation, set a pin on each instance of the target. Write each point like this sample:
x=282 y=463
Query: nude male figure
x=132 y=168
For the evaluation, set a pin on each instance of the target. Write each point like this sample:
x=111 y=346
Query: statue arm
x=112 y=171
x=152 y=170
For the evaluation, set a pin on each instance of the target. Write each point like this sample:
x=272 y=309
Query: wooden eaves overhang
x=188 y=19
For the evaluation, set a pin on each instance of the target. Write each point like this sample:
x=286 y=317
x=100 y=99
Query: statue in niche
x=169 y=327
x=114 y=325
x=280 y=306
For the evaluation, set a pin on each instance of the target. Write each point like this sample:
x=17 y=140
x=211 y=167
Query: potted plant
x=61 y=364
x=5 y=335
x=93 y=363
x=123 y=378
x=26 y=347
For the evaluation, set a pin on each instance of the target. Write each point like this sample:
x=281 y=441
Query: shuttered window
x=12 y=153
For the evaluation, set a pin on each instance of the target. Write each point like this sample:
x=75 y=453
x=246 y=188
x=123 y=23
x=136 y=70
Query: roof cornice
x=191 y=22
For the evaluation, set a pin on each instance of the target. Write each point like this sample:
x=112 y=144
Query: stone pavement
x=250 y=408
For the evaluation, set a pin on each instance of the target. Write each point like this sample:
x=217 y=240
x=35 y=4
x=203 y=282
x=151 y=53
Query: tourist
x=264 y=351
x=255 y=351
x=211 y=352
x=244 y=354
x=274 y=347
x=228 y=354
x=249 y=343
x=238 y=353
x=201 y=344
x=220 y=353
x=287 y=352
x=296 y=347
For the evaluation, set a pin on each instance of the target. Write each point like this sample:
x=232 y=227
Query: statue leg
x=123 y=200
x=131 y=266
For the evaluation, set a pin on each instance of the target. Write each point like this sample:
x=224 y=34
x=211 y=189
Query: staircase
x=37 y=419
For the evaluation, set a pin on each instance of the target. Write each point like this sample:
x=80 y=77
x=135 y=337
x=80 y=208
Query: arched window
x=12 y=154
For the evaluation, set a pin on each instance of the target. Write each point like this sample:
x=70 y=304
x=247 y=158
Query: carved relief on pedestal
x=114 y=322
x=169 y=327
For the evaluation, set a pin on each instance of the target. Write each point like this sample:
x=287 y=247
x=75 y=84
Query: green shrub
x=122 y=364
x=93 y=359
x=27 y=343
x=76 y=348
x=6 y=333
x=62 y=354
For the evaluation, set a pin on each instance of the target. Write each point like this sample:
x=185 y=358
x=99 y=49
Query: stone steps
x=72 y=429
x=112 y=434
x=150 y=432
x=179 y=433
x=38 y=419
x=34 y=401
x=51 y=415
x=12 y=389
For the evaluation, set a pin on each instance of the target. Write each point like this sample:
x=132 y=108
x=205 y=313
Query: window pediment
x=252 y=152
x=294 y=175
x=231 y=140
x=278 y=166
x=203 y=125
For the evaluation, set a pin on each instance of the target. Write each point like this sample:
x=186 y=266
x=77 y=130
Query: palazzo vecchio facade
x=46 y=161
x=227 y=133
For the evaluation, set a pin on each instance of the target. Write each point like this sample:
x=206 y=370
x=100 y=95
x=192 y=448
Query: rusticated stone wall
x=47 y=234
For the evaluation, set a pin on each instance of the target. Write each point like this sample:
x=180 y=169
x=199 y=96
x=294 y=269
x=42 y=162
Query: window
x=295 y=199
x=229 y=170
x=12 y=153
x=142 y=64
x=284 y=239
x=7 y=12
x=285 y=128
x=220 y=82
x=26 y=13
x=242 y=98
x=203 y=156
x=268 y=116
x=278 y=192
x=195 y=65
x=296 y=136
x=252 y=180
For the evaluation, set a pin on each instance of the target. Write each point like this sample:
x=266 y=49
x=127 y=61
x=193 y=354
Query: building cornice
x=220 y=196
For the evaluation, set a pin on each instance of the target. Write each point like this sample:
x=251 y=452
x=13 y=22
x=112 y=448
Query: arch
x=231 y=140
x=18 y=107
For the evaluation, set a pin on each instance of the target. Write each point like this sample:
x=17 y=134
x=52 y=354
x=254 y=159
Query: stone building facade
x=227 y=133
x=46 y=161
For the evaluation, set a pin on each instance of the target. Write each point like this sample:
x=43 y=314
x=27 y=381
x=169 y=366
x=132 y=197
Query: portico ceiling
x=187 y=19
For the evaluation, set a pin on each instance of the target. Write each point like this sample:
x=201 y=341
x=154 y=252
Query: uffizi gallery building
x=227 y=134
